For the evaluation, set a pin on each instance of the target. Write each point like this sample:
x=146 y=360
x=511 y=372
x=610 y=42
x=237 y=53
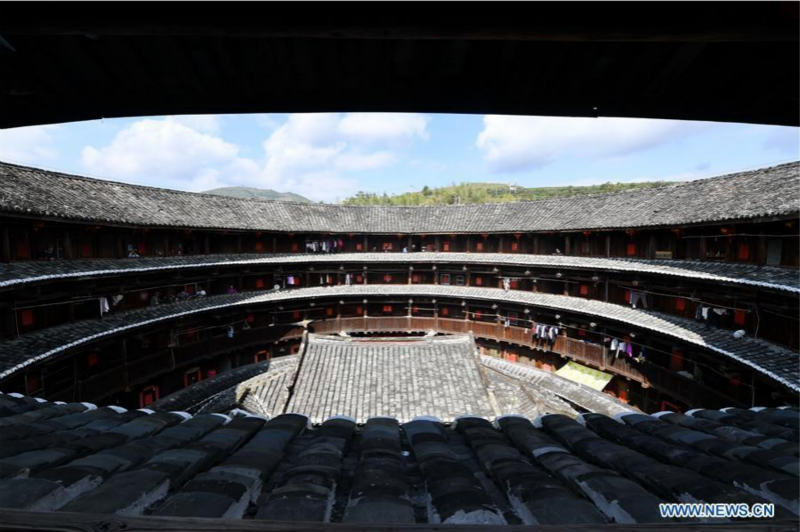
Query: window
x=744 y=252
x=444 y=278
x=23 y=250
x=676 y=361
x=260 y=356
x=31 y=383
x=460 y=280
x=26 y=317
x=148 y=395
x=192 y=376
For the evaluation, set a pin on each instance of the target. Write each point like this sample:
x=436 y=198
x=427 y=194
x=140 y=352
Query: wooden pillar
x=651 y=246
x=67 y=246
x=436 y=243
x=761 y=250
x=608 y=244
x=536 y=244
x=469 y=243
x=238 y=243
x=467 y=277
x=206 y=245
x=702 y=248
x=6 y=247
x=409 y=244
x=125 y=376
x=274 y=243
x=366 y=243
x=120 y=251
x=566 y=244
x=500 y=242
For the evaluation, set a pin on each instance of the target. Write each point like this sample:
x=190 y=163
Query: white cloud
x=512 y=143
x=160 y=152
x=310 y=154
x=383 y=127
x=27 y=145
x=210 y=124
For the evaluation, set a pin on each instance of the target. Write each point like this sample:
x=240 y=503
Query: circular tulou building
x=174 y=361
x=469 y=364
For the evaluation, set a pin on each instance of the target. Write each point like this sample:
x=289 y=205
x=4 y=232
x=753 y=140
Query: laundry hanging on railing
x=712 y=315
x=638 y=298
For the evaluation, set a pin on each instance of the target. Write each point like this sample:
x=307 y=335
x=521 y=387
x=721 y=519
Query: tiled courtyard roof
x=768 y=277
x=402 y=386
x=79 y=458
x=760 y=193
x=780 y=364
x=389 y=377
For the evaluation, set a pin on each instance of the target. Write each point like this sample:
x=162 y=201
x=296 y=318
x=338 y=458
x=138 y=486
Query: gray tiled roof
x=769 y=277
x=760 y=193
x=776 y=362
x=79 y=458
x=361 y=383
x=574 y=392
x=389 y=377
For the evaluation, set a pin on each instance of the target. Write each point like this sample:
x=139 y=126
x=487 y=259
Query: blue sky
x=333 y=155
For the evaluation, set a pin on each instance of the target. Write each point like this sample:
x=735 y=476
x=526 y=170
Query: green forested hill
x=490 y=193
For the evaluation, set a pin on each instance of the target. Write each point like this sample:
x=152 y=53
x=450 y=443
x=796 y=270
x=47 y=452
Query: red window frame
x=148 y=395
